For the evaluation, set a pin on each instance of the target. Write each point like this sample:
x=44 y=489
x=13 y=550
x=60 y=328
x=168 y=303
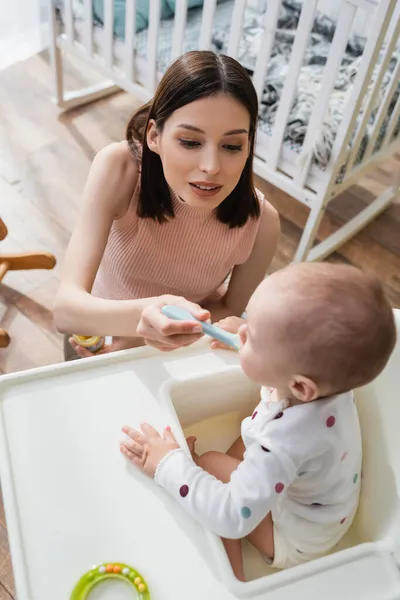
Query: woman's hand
x=231 y=324
x=168 y=334
x=118 y=343
x=147 y=448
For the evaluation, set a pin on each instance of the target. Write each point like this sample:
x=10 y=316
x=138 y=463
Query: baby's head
x=315 y=330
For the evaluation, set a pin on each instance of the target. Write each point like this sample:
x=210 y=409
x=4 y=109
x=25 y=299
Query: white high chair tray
x=72 y=501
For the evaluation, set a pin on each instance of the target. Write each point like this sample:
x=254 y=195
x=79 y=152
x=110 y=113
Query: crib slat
x=394 y=120
x=108 y=32
x=88 y=19
x=181 y=7
x=236 y=27
x=383 y=111
x=392 y=39
x=289 y=89
x=382 y=18
x=365 y=5
x=130 y=39
x=206 y=24
x=271 y=17
x=152 y=43
x=69 y=21
x=315 y=125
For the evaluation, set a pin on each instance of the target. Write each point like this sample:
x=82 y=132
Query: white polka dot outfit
x=302 y=463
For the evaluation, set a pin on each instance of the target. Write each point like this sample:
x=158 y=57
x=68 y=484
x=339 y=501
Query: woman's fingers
x=153 y=317
x=199 y=313
x=156 y=325
x=168 y=334
x=85 y=353
x=173 y=342
x=80 y=350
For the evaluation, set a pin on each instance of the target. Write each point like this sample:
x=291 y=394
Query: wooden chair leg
x=3 y=230
x=4 y=338
x=21 y=262
x=32 y=260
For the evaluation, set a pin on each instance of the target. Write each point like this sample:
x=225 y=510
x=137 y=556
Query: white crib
x=371 y=110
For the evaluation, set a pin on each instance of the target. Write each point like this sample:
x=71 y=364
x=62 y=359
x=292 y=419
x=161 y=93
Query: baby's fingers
x=132 y=447
x=133 y=458
x=216 y=345
x=149 y=431
x=133 y=434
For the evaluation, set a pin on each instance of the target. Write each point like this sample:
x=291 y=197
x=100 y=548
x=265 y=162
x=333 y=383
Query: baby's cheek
x=245 y=361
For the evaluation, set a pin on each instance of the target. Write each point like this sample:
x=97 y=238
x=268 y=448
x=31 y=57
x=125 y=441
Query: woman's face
x=203 y=148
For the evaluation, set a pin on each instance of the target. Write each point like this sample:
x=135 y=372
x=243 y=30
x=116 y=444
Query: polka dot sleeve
x=234 y=509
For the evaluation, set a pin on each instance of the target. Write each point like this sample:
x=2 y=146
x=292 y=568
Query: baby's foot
x=191 y=441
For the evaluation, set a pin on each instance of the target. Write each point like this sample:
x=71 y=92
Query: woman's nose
x=210 y=162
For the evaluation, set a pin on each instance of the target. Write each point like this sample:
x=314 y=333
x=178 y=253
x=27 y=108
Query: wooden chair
x=19 y=262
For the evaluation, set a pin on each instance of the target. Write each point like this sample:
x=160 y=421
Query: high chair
x=91 y=507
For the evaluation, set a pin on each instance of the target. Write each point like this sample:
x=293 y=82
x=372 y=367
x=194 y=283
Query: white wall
x=21 y=30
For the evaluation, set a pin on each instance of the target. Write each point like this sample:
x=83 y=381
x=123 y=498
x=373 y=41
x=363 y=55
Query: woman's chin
x=202 y=203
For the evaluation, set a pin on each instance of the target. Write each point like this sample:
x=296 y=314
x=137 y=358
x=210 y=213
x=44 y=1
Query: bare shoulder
x=116 y=158
x=116 y=173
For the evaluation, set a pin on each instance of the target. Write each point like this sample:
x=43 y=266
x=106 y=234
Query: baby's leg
x=262 y=537
x=237 y=449
x=221 y=466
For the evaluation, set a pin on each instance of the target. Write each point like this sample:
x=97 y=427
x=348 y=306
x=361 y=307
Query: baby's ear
x=303 y=388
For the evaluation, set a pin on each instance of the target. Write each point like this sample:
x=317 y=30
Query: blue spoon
x=180 y=314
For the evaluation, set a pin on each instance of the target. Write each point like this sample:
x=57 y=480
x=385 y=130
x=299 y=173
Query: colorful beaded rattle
x=110 y=571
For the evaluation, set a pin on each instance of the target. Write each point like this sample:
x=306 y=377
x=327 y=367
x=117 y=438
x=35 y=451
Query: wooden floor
x=44 y=160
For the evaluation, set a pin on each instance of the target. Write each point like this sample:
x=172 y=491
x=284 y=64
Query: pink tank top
x=191 y=255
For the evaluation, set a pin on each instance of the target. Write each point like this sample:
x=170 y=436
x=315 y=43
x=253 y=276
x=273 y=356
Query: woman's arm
x=246 y=277
x=108 y=191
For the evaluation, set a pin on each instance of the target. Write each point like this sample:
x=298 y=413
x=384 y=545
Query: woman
x=171 y=213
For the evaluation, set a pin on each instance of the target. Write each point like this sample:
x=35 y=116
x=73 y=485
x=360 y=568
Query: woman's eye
x=196 y=144
x=189 y=143
x=233 y=148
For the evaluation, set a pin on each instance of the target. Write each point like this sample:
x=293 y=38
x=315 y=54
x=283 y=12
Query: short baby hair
x=341 y=327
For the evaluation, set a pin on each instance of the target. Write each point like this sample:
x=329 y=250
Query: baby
x=291 y=483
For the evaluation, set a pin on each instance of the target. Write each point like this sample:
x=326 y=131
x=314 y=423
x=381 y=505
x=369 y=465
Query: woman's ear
x=153 y=136
x=303 y=388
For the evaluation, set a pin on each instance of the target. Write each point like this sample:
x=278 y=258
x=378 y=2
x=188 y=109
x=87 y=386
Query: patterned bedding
x=309 y=80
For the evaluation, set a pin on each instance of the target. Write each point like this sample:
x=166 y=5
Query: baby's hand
x=231 y=324
x=147 y=448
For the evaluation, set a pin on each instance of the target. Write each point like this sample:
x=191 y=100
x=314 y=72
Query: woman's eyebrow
x=192 y=128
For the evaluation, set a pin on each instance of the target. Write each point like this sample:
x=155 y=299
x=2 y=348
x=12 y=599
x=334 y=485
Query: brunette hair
x=341 y=329
x=195 y=75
